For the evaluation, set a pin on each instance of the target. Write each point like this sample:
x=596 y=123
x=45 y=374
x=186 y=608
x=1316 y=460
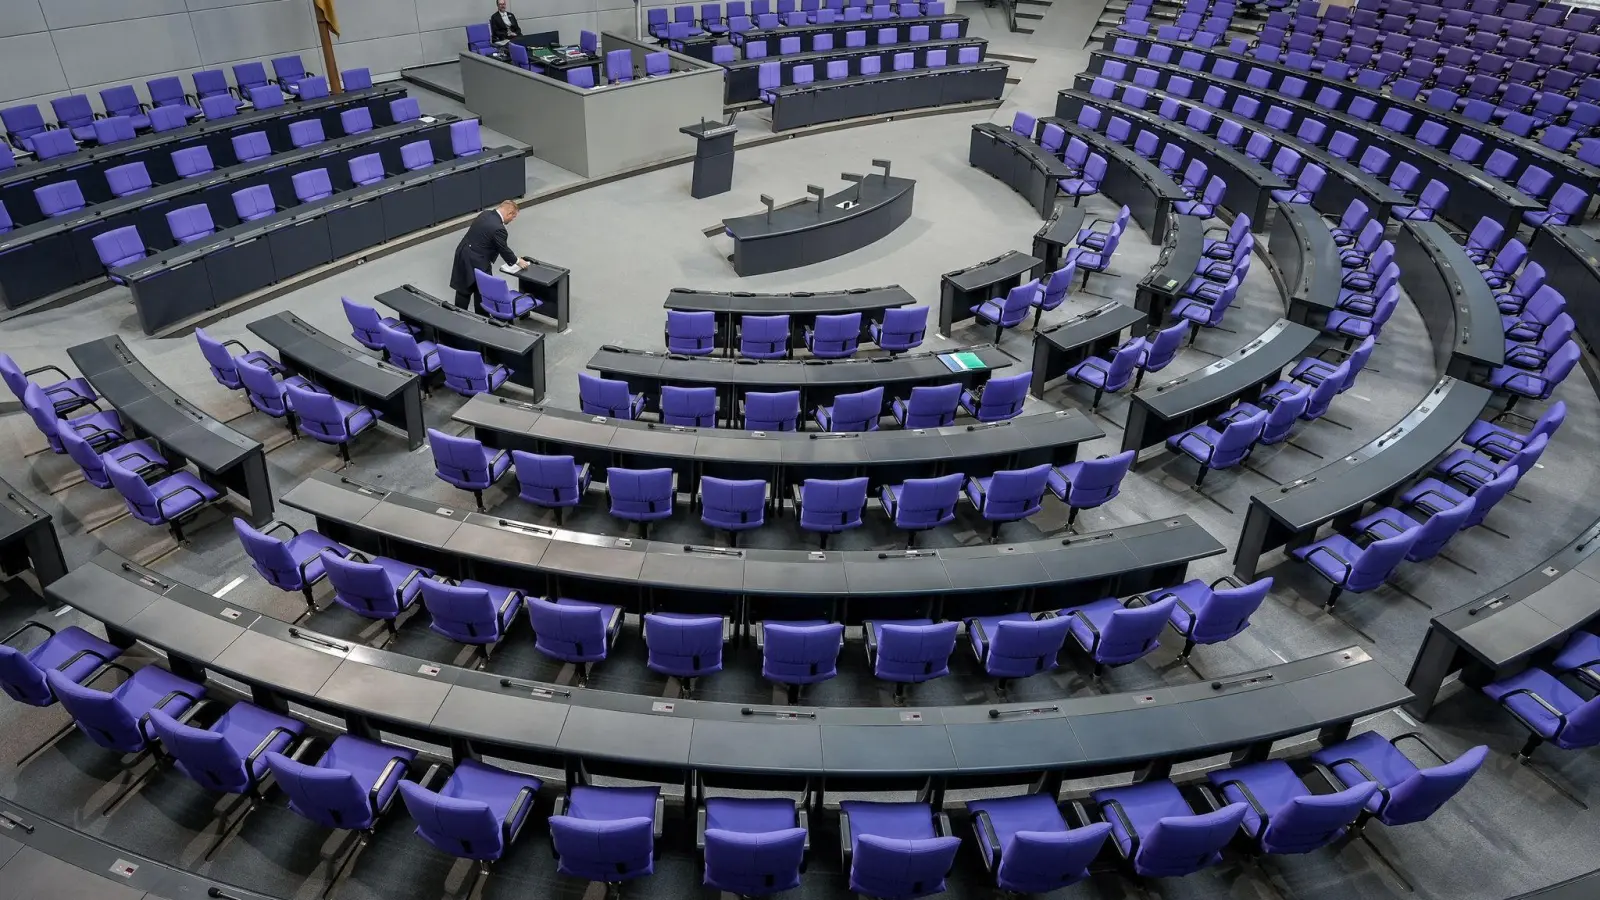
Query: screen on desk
x=962 y=362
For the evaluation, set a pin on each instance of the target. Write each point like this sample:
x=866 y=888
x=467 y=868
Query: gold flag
x=325 y=7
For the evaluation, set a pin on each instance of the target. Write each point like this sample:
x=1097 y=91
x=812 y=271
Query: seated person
x=503 y=24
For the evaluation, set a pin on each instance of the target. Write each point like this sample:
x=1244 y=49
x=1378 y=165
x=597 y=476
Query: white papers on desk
x=509 y=269
x=428 y=120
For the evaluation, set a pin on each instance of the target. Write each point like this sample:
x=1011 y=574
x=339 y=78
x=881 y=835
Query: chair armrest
x=510 y=828
x=1518 y=416
x=347 y=419
x=803 y=821
x=238 y=344
x=1094 y=644
x=1560 y=717
x=1250 y=798
x=987 y=835
x=1229 y=579
x=660 y=817
x=173 y=493
x=846 y=845
x=401 y=590
x=1335 y=781
x=1127 y=827
x=52 y=368
x=73 y=660
x=377 y=787
x=1341 y=560
x=1415 y=736
x=700 y=830
x=941 y=825
x=511 y=599
x=25 y=626
x=250 y=762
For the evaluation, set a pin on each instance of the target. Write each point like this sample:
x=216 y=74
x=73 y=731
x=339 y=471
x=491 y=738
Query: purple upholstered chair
x=466 y=463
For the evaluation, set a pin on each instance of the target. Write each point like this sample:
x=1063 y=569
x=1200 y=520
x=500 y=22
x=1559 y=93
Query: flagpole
x=332 y=67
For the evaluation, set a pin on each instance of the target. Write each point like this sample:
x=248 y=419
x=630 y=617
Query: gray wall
x=53 y=47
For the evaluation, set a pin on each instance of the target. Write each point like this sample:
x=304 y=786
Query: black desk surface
x=1041 y=159
x=1478 y=335
x=532 y=550
x=1306 y=256
x=92 y=155
x=1180 y=256
x=444 y=317
x=184 y=253
x=812 y=56
x=328 y=357
x=721 y=445
x=753 y=374
x=798 y=303
x=1087 y=327
x=176 y=192
x=523 y=717
x=876 y=192
x=1571 y=259
x=980 y=276
x=1389 y=461
x=147 y=402
x=1280 y=345
x=18 y=514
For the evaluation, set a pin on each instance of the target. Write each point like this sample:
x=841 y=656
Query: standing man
x=503 y=24
x=485 y=240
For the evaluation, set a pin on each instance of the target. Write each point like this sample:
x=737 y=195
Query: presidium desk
x=808 y=231
x=584 y=731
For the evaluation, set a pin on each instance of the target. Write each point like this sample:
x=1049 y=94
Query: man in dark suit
x=503 y=24
x=485 y=240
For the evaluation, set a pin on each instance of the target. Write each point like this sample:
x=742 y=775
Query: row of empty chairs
x=1203 y=202
x=76 y=116
x=759 y=49
x=694 y=333
x=771 y=73
x=752 y=846
x=928 y=406
x=823 y=506
x=736 y=19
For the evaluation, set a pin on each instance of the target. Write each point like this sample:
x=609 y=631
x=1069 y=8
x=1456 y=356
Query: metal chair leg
x=232 y=827
x=345 y=865
x=48 y=743
x=1387 y=864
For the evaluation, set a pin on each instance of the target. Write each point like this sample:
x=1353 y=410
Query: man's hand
x=524 y=262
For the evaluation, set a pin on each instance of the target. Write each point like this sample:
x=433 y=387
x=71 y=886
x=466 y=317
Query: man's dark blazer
x=500 y=32
x=485 y=240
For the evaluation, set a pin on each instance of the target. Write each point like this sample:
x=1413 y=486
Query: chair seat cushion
x=73 y=392
x=1098 y=613
x=898 y=821
x=1272 y=783
x=150 y=685
x=1311 y=370
x=1489 y=438
x=1191 y=593
x=1348 y=324
x=68 y=643
x=1190 y=442
x=981 y=629
x=607 y=804
x=492 y=786
x=185 y=500
x=1324 y=562
x=1092 y=371
x=1431 y=492
x=1376 y=756
x=1582 y=649
x=244 y=726
x=750 y=815
x=1467 y=466
x=309 y=544
x=1547 y=686
x=367 y=760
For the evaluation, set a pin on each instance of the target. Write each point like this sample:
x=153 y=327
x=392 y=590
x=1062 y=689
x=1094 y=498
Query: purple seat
x=405 y=109
x=1545 y=706
x=834 y=336
x=115 y=720
x=1115 y=634
x=641 y=495
x=574 y=631
x=359 y=79
x=416 y=155
x=366 y=325
x=220 y=107
x=607 y=834
x=312 y=185
x=1010 y=312
x=402 y=348
x=901 y=329
x=921 y=504
x=929 y=406
x=1284 y=815
x=1219 y=448
x=60 y=397
x=375 y=588
x=1027 y=846
x=296 y=564
x=1017 y=645
x=500 y=301
x=691 y=333
x=466 y=463
x=684 y=646
x=254 y=203
x=119 y=247
x=137 y=456
x=999 y=398
x=1205 y=614
x=251 y=146
x=695 y=407
x=830 y=507
x=608 y=397
x=795 y=654
x=74 y=114
x=553 y=482
x=470 y=612
x=1349 y=566
x=1008 y=496
x=306 y=133
x=191 y=223
x=896 y=850
x=60 y=199
x=71 y=653
x=858 y=411
x=477 y=813
x=170 y=501
x=329 y=419
x=466 y=373
x=778 y=411
x=754 y=847
x=909 y=651
x=1567 y=204
x=1159 y=834
x=1406 y=792
x=225 y=366
x=1500 y=443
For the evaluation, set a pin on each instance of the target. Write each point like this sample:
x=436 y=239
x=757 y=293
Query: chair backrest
x=1003 y=397
x=858 y=411
x=60 y=199
x=464 y=613
x=460 y=460
x=1180 y=845
x=318 y=414
x=1016 y=493
x=263 y=391
x=903 y=327
x=460 y=827
x=831 y=505
x=191 y=162
x=1437 y=531
x=254 y=203
x=119 y=246
x=332 y=798
x=464 y=370
x=359 y=79
x=778 y=411
x=1132 y=631
x=754 y=864
x=1426 y=790
x=1041 y=861
x=932 y=406
x=56 y=142
x=365 y=324
x=270 y=557
x=306 y=133
x=407 y=109
x=546 y=479
x=191 y=223
x=1023 y=647
x=639 y=493
x=113 y=130
x=683 y=646
x=603 y=851
x=927 y=502
x=1314 y=820
x=575 y=632
x=419 y=154
x=836 y=335
x=87 y=458
x=403 y=348
x=362 y=585
x=312 y=185
x=202 y=754
x=1226 y=612
x=894 y=867
x=251 y=146
x=98 y=714
x=696 y=406
x=1379 y=560
x=800 y=654
x=604 y=396
x=732 y=503
x=908 y=652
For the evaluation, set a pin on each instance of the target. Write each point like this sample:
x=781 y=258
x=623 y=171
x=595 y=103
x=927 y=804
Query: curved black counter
x=1023 y=165
x=1300 y=245
x=1454 y=300
x=805 y=233
x=800 y=306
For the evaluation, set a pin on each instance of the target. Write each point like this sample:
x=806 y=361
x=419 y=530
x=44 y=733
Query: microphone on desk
x=769 y=204
x=857 y=178
x=1490 y=603
x=997 y=713
x=818 y=193
x=777 y=713
x=884 y=165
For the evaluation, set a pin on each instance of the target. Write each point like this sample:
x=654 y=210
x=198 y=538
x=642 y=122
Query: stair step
x=1033 y=16
x=1044 y=3
x=1024 y=31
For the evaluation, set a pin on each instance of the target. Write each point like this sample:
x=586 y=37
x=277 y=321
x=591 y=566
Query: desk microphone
x=997 y=713
x=128 y=567
x=17 y=822
x=1488 y=604
x=1296 y=485
x=908 y=554
x=22 y=505
x=1249 y=679
x=508 y=683
x=777 y=713
x=315 y=639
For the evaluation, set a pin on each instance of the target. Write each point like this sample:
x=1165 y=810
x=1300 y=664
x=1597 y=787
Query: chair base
x=1525 y=757
x=231 y=828
x=48 y=743
x=134 y=782
x=1389 y=864
x=360 y=843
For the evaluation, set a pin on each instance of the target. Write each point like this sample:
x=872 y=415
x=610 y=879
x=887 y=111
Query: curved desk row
x=962 y=290
x=88 y=166
x=1300 y=245
x=1093 y=332
x=1250 y=184
x=1473 y=193
x=808 y=33
x=817 y=380
x=841 y=748
x=1348 y=181
x=349 y=373
x=782 y=459
x=1454 y=300
x=1161 y=411
x=743 y=81
x=807 y=232
x=1024 y=166
x=28 y=538
x=1338 y=493
x=799 y=105
x=1571 y=260
x=1162 y=286
x=519 y=350
x=1528 y=152
x=226 y=459
x=1131 y=180
x=40 y=259
x=800 y=306
x=753 y=584
x=182 y=283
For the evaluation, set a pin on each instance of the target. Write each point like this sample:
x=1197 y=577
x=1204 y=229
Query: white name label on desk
x=910 y=716
x=429 y=671
x=661 y=707
x=123 y=869
x=428 y=120
x=846 y=204
x=231 y=614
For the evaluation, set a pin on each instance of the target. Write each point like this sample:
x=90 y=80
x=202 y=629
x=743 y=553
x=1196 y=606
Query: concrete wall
x=49 y=48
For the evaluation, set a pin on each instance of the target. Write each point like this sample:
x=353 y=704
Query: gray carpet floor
x=627 y=244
